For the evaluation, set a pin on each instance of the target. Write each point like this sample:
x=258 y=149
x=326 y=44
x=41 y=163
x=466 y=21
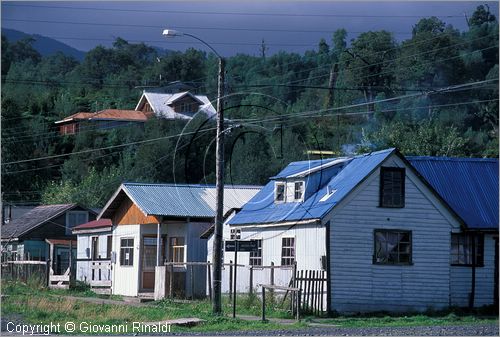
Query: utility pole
x=219 y=175
x=219 y=187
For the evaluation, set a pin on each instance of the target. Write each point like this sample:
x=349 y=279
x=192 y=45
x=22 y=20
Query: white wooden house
x=93 y=264
x=391 y=236
x=157 y=223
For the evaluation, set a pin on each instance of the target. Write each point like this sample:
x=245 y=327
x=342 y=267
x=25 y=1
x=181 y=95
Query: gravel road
x=466 y=330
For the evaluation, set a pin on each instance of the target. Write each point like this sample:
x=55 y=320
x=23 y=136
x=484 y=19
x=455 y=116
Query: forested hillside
x=435 y=93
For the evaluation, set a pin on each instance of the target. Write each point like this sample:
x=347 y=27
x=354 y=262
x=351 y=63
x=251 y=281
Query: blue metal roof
x=468 y=185
x=300 y=166
x=185 y=200
x=263 y=209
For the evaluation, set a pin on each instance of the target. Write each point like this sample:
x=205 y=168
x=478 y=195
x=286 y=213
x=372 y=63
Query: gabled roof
x=160 y=103
x=107 y=114
x=468 y=185
x=33 y=219
x=177 y=200
x=262 y=208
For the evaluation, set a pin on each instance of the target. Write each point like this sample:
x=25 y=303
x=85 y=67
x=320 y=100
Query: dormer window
x=279 y=192
x=299 y=190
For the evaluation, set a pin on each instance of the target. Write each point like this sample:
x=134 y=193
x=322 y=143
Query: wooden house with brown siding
x=157 y=223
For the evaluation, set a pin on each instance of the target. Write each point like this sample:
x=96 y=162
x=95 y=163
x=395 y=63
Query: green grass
x=37 y=304
x=44 y=306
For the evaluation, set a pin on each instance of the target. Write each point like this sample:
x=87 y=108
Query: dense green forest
x=435 y=93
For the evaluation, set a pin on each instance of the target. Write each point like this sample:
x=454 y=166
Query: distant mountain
x=44 y=45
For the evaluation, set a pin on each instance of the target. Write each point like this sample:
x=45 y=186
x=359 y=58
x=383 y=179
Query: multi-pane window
x=256 y=257
x=126 y=252
x=177 y=249
x=149 y=252
x=235 y=234
x=75 y=218
x=392 y=187
x=280 y=192
x=299 y=190
x=392 y=247
x=287 y=251
x=462 y=249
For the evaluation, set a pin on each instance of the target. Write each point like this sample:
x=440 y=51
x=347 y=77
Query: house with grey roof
x=392 y=233
x=156 y=223
x=28 y=236
x=171 y=104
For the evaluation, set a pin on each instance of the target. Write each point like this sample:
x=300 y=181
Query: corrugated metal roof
x=263 y=209
x=107 y=114
x=34 y=218
x=468 y=185
x=186 y=200
x=159 y=103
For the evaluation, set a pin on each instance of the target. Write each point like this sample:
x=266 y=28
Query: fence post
x=192 y=281
x=263 y=304
x=272 y=278
x=251 y=280
x=209 y=281
x=47 y=272
x=230 y=279
x=171 y=282
x=294 y=284
x=298 y=304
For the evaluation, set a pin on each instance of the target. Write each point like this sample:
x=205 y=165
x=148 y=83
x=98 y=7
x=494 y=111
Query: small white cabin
x=94 y=243
x=155 y=224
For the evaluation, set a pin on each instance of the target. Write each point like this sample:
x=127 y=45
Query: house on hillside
x=157 y=223
x=101 y=120
x=392 y=234
x=94 y=251
x=48 y=226
x=169 y=103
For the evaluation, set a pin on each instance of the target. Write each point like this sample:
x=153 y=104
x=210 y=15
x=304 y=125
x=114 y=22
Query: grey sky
x=284 y=25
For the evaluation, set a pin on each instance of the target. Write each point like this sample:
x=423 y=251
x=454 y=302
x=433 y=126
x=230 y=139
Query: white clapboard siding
x=309 y=247
x=461 y=279
x=359 y=285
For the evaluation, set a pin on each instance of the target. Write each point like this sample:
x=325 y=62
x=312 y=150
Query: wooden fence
x=100 y=281
x=59 y=281
x=313 y=286
x=24 y=270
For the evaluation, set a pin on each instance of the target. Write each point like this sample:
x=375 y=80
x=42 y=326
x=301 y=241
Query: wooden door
x=148 y=262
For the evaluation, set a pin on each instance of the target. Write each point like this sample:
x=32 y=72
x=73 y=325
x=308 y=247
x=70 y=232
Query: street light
x=219 y=176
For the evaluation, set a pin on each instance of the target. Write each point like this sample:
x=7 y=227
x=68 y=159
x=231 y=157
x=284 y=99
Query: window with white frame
x=287 y=251
x=299 y=190
x=177 y=249
x=279 y=192
x=256 y=257
x=126 y=252
x=235 y=234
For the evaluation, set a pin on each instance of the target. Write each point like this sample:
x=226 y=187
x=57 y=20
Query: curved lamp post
x=219 y=175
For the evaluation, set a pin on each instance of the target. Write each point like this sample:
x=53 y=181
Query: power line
x=99 y=149
x=238 y=13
